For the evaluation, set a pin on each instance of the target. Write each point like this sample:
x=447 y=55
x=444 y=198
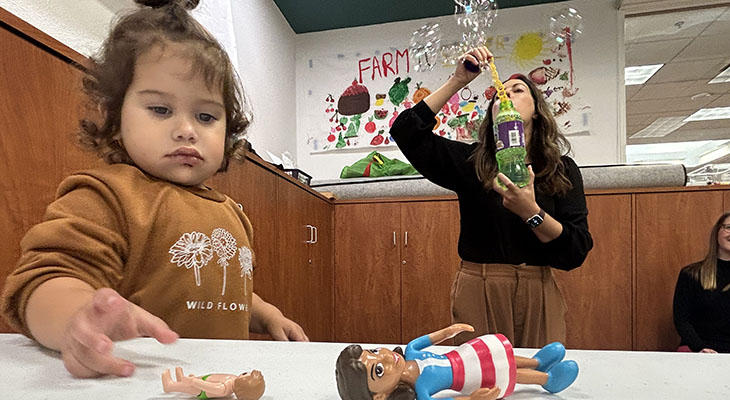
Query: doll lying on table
x=247 y=386
x=485 y=368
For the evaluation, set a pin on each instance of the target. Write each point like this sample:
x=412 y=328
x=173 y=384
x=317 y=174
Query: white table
x=305 y=371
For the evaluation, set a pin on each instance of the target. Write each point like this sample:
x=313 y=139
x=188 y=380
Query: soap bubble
x=475 y=17
x=425 y=47
x=566 y=25
x=451 y=52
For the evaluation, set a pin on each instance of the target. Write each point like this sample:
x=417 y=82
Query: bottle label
x=509 y=134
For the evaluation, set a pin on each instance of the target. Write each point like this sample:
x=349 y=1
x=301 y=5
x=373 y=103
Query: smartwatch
x=536 y=220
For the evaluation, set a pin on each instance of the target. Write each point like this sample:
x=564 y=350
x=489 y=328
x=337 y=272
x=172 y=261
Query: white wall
x=597 y=62
x=254 y=32
x=79 y=24
x=266 y=56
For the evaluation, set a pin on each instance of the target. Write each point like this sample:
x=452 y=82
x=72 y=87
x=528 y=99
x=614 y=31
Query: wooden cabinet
x=306 y=274
x=672 y=230
x=292 y=243
x=429 y=261
x=40 y=100
x=394 y=264
x=598 y=294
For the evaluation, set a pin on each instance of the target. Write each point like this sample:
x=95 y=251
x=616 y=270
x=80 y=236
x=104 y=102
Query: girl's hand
x=478 y=56
x=86 y=349
x=708 y=351
x=520 y=201
x=282 y=328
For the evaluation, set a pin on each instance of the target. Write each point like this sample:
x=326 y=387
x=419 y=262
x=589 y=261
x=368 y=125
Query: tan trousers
x=522 y=302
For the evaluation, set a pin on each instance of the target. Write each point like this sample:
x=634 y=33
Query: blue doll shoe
x=561 y=376
x=549 y=356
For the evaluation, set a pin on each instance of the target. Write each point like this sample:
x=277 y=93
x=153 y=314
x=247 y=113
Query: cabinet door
x=292 y=275
x=598 y=294
x=367 y=273
x=429 y=261
x=319 y=307
x=672 y=230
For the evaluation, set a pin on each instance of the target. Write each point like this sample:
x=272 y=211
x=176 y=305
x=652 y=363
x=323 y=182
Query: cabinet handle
x=394 y=239
x=311 y=234
x=316 y=234
x=405 y=242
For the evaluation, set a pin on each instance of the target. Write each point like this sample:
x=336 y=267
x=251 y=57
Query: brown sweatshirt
x=181 y=253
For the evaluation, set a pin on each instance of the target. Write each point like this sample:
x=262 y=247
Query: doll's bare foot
x=179 y=374
x=485 y=394
x=166 y=381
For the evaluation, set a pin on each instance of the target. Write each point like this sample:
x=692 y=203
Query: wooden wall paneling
x=672 y=230
x=40 y=100
x=367 y=273
x=429 y=261
x=725 y=201
x=598 y=294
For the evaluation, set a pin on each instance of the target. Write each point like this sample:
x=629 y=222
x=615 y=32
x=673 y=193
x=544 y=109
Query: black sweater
x=702 y=317
x=490 y=233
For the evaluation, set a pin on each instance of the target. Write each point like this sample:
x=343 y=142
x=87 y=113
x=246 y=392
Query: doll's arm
x=482 y=394
x=449 y=332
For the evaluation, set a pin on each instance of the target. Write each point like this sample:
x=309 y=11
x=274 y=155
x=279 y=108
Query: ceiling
x=321 y=15
x=694 y=47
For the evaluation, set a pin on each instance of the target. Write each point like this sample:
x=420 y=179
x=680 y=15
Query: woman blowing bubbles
x=505 y=284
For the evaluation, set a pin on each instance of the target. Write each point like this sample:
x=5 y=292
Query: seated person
x=702 y=296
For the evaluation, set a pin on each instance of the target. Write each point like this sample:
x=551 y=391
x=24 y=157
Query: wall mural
x=358 y=95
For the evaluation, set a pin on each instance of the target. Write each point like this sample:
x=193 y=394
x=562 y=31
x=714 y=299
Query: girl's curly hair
x=157 y=23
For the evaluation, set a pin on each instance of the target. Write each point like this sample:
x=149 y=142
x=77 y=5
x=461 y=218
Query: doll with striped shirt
x=484 y=368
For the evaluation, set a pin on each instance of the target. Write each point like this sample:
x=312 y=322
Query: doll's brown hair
x=352 y=381
x=546 y=146
x=157 y=24
x=249 y=386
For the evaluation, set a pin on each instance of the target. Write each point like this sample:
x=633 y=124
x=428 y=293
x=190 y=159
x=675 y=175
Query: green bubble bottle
x=509 y=137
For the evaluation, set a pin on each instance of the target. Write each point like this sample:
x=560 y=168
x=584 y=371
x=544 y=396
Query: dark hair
x=352 y=381
x=544 y=150
x=157 y=23
x=705 y=271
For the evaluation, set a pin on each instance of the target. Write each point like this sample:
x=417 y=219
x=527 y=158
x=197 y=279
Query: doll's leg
x=524 y=362
x=179 y=374
x=561 y=376
x=168 y=385
x=549 y=355
x=531 y=376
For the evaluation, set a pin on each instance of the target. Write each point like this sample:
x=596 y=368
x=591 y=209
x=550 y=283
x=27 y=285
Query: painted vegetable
x=420 y=93
x=370 y=126
x=399 y=91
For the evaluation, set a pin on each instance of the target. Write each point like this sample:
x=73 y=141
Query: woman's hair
x=705 y=271
x=352 y=381
x=157 y=24
x=544 y=150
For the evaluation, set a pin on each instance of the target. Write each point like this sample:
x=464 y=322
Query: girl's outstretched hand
x=282 y=328
x=520 y=201
x=478 y=56
x=87 y=345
